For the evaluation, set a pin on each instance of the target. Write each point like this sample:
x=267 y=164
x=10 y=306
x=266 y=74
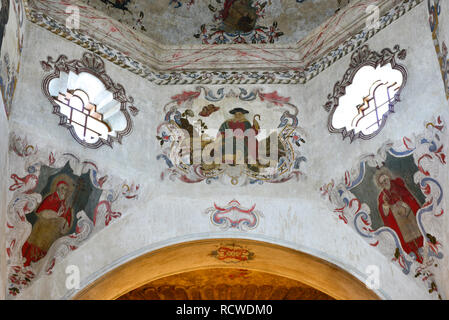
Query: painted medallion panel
x=58 y=201
x=394 y=200
x=237 y=138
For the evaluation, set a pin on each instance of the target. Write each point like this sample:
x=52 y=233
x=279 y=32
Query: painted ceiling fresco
x=220 y=21
x=273 y=42
x=393 y=199
x=235 y=138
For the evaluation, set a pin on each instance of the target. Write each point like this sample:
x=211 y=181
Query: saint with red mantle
x=398 y=209
x=54 y=220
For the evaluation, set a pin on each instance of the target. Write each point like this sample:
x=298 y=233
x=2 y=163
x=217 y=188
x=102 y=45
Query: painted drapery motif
x=57 y=204
x=234 y=216
x=393 y=199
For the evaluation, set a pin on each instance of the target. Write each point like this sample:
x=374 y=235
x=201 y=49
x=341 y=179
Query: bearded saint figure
x=398 y=209
x=54 y=220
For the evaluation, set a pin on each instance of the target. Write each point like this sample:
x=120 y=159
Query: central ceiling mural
x=234 y=137
x=220 y=21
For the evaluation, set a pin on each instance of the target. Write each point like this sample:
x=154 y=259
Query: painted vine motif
x=393 y=199
x=207 y=116
x=58 y=203
x=180 y=3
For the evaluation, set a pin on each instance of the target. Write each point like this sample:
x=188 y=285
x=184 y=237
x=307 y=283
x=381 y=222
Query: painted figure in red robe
x=240 y=126
x=398 y=209
x=54 y=220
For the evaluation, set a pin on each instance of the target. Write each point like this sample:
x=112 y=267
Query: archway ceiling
x=161 y=42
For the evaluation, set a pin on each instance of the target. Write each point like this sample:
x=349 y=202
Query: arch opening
x=254 y=258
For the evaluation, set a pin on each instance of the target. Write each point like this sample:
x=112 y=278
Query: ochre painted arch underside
x=230 y=254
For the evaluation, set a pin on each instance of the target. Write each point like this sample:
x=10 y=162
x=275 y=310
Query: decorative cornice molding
x=257 y=64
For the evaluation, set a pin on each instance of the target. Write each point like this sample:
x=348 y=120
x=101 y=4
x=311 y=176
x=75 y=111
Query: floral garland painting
x=58 y=202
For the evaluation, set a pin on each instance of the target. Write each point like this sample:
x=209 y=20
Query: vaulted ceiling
x=175 y=22
x=219 y=41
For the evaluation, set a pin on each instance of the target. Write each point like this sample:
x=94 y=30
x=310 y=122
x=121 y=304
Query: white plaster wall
x=4 y=133
x=171 y=212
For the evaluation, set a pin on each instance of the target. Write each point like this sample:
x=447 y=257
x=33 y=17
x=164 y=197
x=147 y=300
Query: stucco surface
x=169 y=212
